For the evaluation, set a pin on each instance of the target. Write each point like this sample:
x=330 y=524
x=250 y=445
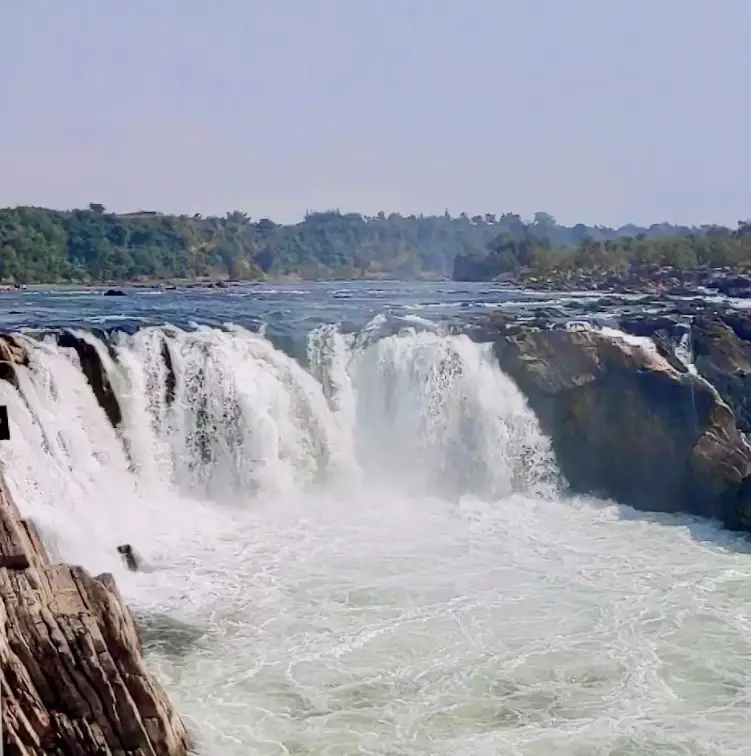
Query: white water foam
x=685 y=353
x=371 y=557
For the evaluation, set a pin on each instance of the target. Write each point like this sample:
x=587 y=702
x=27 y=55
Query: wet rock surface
x=73 y=678
x=627 y=425
x=658 y=422
x=91 y=364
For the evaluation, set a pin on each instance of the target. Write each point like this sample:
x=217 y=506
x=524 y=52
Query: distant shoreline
x=207 y=283
x=650 y=279
x=93 y=247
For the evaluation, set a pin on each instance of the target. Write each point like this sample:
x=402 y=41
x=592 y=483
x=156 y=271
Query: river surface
x=354 y=534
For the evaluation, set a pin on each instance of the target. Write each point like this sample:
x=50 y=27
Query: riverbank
x=643 y=279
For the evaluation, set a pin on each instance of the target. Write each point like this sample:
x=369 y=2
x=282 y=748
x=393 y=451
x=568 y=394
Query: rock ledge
x=73 y=678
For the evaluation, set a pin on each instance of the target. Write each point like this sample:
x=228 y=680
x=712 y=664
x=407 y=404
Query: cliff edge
x=73 y=678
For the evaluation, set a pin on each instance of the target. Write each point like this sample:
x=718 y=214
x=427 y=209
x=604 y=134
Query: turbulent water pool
x=358 y=545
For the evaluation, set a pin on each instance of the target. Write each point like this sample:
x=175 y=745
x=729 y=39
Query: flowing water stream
x=365 y=551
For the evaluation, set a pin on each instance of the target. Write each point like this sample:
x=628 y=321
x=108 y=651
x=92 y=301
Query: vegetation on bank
x=527 y=254
x=39 y=245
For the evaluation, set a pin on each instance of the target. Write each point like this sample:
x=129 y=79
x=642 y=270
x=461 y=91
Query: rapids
x=365 y=550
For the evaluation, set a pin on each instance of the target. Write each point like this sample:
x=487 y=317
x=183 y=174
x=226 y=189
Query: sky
x=597 y=111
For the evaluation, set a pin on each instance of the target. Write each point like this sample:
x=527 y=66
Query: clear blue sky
x=600 y=111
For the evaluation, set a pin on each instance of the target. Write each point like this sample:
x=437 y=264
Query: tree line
x=526 y=251
x=39 y=245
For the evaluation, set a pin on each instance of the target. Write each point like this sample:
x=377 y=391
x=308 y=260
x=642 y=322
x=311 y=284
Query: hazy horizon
x=596 y=114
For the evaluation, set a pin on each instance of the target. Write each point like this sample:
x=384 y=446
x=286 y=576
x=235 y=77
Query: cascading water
x=242 y=417
x=371 y=556
x=433 y=414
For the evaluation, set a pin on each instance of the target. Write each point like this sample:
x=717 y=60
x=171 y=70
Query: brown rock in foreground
x=627 y=425
x=11 y=355
x=73 y=678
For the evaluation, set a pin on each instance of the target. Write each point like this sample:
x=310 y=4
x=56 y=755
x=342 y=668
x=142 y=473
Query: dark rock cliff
x=720 y=344
x=628 y=424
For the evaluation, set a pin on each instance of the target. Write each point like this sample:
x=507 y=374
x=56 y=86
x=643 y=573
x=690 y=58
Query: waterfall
x=221 y=415
x=365 y=550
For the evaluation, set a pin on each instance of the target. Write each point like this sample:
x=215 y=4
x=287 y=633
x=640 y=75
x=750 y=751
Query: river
x=354 y=536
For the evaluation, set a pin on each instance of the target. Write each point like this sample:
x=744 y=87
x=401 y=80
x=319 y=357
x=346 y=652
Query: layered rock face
x=629 y=424
x=73 y=677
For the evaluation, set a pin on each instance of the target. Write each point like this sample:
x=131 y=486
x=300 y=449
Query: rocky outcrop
x=91 y=364
x=632 y=278
x=73 y=677
x=170 y=382
x=629 y=425
x=720 y=345
x=635 y=278
x=12 y=354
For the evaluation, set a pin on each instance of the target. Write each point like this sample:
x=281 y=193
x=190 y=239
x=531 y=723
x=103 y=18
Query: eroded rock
x=91 y=364
x=73 y=677
x=171 y=379
x=12 y=354
x=628 y=425
x=720 y=344
x=722 y=354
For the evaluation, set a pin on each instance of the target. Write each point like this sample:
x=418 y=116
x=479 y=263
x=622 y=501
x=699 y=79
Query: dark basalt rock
x=627 y=424
x=114 y=293
x=93 y=369
x=486 y=327
x=646 y=325
x=171 y=380
x=722 y=354
x=732 y=286
x=720 y=341
x=646 y=278
x=129 y=557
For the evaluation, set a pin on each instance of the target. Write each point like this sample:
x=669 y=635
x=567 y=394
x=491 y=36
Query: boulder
x=73 y=677
x=485 y=327
x=11 y=351
x=732 y=285
x=721 y=346
x=627 y=425
x=129 y=557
